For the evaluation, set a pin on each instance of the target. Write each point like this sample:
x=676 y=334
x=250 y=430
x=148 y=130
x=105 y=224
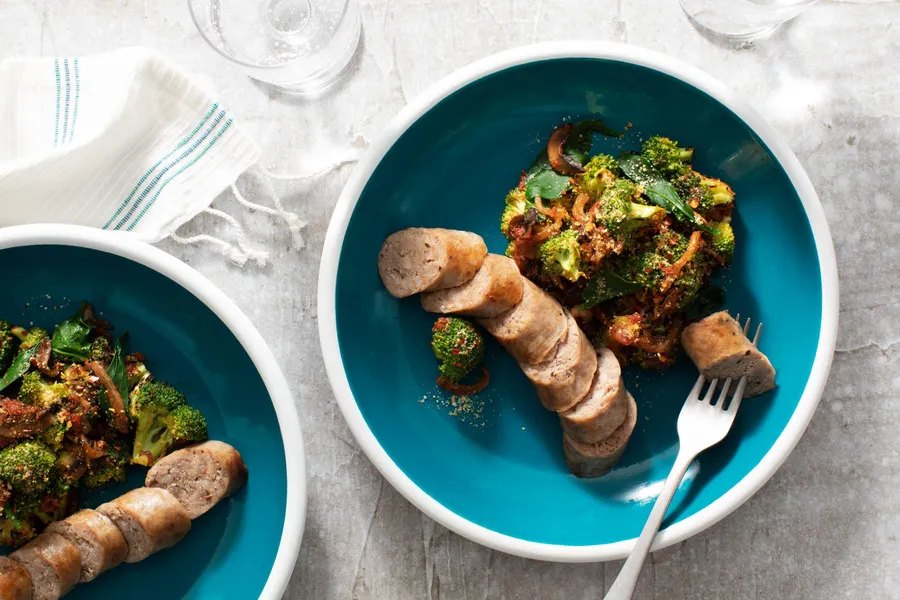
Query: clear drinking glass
x=743 y=19
x=300 y=46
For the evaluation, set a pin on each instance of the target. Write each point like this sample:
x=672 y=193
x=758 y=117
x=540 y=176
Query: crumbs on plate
x=469 y=410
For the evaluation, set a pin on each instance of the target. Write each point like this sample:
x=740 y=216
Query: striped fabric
x=121 y=141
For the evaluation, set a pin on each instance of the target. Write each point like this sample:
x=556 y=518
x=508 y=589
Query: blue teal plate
x=499 y=476
x=232 y=551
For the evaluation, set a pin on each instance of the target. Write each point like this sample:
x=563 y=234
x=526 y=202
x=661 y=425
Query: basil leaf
x=117 y=372
x=578 y=146
x=19 y=366
x=541 y=180
x=70 y=338
x=605 y=285
x=658 y=190
x=707 y=301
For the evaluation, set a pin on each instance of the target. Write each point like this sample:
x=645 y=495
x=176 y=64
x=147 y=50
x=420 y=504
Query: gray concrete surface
x=826 y=525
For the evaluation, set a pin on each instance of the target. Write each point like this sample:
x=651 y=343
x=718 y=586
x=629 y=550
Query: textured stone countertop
x=825 y=526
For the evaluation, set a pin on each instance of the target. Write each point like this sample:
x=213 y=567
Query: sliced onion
x=465 y=390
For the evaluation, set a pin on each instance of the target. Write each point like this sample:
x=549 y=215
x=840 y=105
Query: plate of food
x=523 y=277
x=148 y=439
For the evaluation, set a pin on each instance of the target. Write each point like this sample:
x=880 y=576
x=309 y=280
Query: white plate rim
x=127 y=246
x=693 y=76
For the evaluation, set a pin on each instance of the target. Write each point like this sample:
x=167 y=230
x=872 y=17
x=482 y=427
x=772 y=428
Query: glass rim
x=249 y=65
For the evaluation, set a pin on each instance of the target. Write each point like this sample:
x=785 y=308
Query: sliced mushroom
x=41 y=360
x=556 y=146
x=18 y=420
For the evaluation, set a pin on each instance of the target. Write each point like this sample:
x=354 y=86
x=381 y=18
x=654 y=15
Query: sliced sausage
x=151 y=519
x=604 y=407
x=530 y=330
x=54 y=564
x=719 y=348
x=565 y=379
x=99 y=541
x=420 y=260
x=200 y=476
x=15 y=582
x=496 y=288
x=594 y=460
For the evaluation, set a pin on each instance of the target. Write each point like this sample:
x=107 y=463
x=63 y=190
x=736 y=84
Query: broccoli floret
x=26 y=468
x=722 y=242
x=136 y=370
x=458 y=345
x=38 y=391
x=619 y=212
x=701 y=192
x=101 y=350
x=152 y=405
x=647 y=266
x=14 y=531
x=667 y=156
x=9 y=345
x=30 y=337
x=599 y=173
x=54 y=435
x=516 y=205
x=560 y=255
x=112 y=467
x=187 y=425
x=692 y=278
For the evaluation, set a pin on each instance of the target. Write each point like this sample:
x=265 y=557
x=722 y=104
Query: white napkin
x=121 y=141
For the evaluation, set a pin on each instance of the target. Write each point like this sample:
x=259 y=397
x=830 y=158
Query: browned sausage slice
x=421 y=260
x=719 y=348
x=530 y=330
x=594 y=460
x=53 y=563
x=200 y=476
x=604 y=407
x=565 y=379
x=151 y=520
x=99 y=541
x=15 y=582
x=496 y=288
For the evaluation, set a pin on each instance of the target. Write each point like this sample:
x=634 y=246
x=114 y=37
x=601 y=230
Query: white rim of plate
x=126 y=246
x=693 y=76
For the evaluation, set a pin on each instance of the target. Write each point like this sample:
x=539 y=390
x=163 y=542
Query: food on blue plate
x=459 y=346
x=603 y=409
x=719 y=348
x=532 y=329
x=99 y=542
x=628 y=244
x=496 y=287
x=564 y=379
x=75 y=411
x=150 y=519
x=53 y=564
x=418 y=260
x=15 y=582
x=200 y=476
x=594 y=460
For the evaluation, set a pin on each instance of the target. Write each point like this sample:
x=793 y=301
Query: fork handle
x=626 y=581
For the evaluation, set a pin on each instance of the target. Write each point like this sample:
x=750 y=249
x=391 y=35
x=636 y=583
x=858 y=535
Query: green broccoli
x=101 y=350
x=9 y=345
x=38 y=391
x=516 y=205
x=647 y=265
x=15 y=532
x=667 y=156
x=110 y=468
x=560 y=255
x=29 y=337
x=26 y=468
x=153 y=405
x=187 y=425
x=693 y=278
x=723 y=240
x=54 y=435
x=136 y=370
x=701 y=192
x=619 y=212
x=599 y=173
x=458 y=345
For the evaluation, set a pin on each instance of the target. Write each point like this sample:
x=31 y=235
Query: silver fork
x=701 y=424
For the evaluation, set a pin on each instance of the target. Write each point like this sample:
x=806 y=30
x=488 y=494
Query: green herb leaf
x=578 y=146
x=707 y=301
x=70 y=338
x=541 y=180
x=661 y=192
x=19 y=366
x=605 y=285
x=116 y=370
